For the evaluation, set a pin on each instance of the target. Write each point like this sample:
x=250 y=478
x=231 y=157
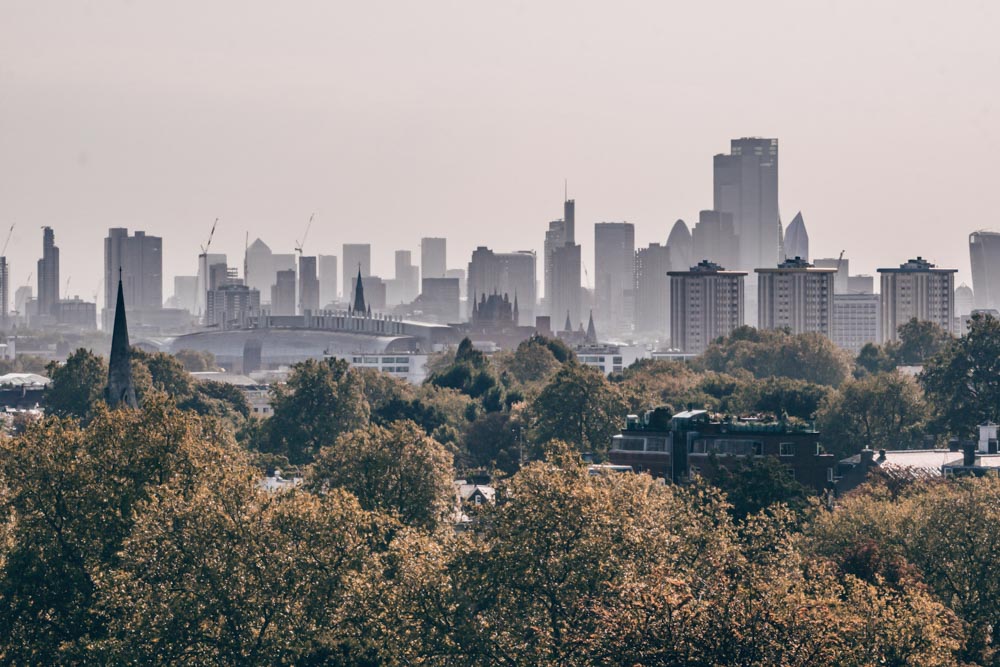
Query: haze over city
x=394 y=121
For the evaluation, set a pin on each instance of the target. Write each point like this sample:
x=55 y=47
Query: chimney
x=881 y=455
x=867 y=456
x=968 y=454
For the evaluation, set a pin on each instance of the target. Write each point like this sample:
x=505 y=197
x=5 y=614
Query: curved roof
x=680 y=247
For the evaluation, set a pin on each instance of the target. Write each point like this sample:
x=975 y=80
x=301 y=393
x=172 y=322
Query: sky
x=396 y=120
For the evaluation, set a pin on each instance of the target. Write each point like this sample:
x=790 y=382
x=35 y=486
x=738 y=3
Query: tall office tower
x=218 y=275
x=510 y=273
x=855 y=321
x=560 y=233
x=355 y=255
x=283 y=293
x=4 y=292
x=260 y=269
x=186 y=292
x=439 y=300
x=842 y=269
x=308 y=285
x=746 y=185
x=140 y=258
x=283 y=262
x=984 y=255
x=917 y=289
x=406 y=284
x=433 y=257
x=680 y=245
x=860 y=284
x=328 y=280
x=614 y=276
x=796 y=296
x=23 y=295
x=231 y=305
x=706 y=302
x=714 y=238
x=48 y=273
x=797 y=239
x=566 y=301
x=652 y=291
x=459 y=275
x=205 y=262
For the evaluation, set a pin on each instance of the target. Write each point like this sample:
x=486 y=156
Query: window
x=786 y=449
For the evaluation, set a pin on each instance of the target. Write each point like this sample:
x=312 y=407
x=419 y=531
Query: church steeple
x=569 y=325
x=120 y=390
x=359 y=297
x=591 y=330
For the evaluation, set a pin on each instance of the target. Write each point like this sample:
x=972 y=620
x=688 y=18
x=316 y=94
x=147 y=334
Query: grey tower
x=614 y=274
x=120 y=390
x=797 y=238
x=48 y=273
x=140 y=259
x=433 y=257
x=746 y=185
x=984 y=254
x=308 y=285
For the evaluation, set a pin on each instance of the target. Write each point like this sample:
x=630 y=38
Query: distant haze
x=396 y=120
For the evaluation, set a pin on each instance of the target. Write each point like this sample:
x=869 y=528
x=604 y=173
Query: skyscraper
x=433 y=257
x=308 y=285
x=652 y=291
x=984 y=254
x=140 y=258
x=560 y=233
x=714 y=238
x=614 y=275
x=510 y=273
x=706 y=302
x=796 y=296
x=355 y=255
x=746 y=185
x=916 y=290
x=4 y=292
x=327 y=280
x=259 y=270
x=205 y=263
x=797 y=238
x=48 y=273
x=566 y=300
x=405 y=286
x=680 y=247
x=283 y=293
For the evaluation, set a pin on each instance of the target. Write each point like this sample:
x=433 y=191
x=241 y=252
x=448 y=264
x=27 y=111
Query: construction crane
x=66 y=288
x=299 y=244
x=211 y=235
x=10 y=233
x=840 y=260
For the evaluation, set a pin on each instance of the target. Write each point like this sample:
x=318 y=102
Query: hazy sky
x=396 y=120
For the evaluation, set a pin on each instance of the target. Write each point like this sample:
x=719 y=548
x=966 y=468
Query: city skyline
x=405 y=146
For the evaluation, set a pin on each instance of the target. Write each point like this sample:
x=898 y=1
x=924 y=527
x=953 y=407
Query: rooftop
x=918 y=265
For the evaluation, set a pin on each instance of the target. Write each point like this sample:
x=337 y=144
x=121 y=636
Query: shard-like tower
x=120 y=390
x=797 y=239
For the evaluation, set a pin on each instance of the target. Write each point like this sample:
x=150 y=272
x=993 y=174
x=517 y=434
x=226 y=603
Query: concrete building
x=355 y=255
x=205 y=264
x=140 y=258
x=706 y=302
x=308 y=285
x=440 y=300
x=76 y=314
x=964 y=302
x=283 y=293
x=4 y=293
x=916 y=290
x=48 y=273
x=614 y=276
x=459 y=275
x=984 y=256
x=797 y=238
x=714 y=238
x=842 y=272
x=433 y=257
x=328 y=280
x=405 y=286
x=231 y=306
x=652 y=292
x=796 y=296
x=860 y=284
x=746 y=185
x=855 y=321
x=510 y=273
x=259 y=270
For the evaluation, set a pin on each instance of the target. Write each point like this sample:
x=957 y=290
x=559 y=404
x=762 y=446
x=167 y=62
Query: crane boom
x=211 y=235
x=299 y=244
x=7 y=242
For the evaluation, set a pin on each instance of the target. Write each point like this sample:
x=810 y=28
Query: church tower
x=120 y=391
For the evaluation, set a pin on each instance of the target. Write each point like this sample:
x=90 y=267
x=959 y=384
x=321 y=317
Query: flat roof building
x=916 y=290
x=706 y=302
x=796 y=296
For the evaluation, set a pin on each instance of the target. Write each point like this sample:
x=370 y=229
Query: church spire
x=359 y=297
x=569 y=325
x=591 y=330
x=120 y=390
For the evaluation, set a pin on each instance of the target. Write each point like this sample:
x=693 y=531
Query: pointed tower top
x=359 y=296
x=569 y=325
x=591 y=330
x=120 y=390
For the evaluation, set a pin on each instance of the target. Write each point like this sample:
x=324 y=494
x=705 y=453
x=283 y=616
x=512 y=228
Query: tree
x=320 y=401
x=961 y=381
x=77 y=385
x=195 y=361
x=580 y=406
x=810 y=356
x=884 y=411
x=875 y=359
x=538 y=358
x=919 y=341
x=783 y=396
x=757 y=484
x=397 y=469
x=495 y=440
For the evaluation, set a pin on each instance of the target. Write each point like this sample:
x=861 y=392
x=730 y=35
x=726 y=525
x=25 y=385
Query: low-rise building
x=855 y=321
